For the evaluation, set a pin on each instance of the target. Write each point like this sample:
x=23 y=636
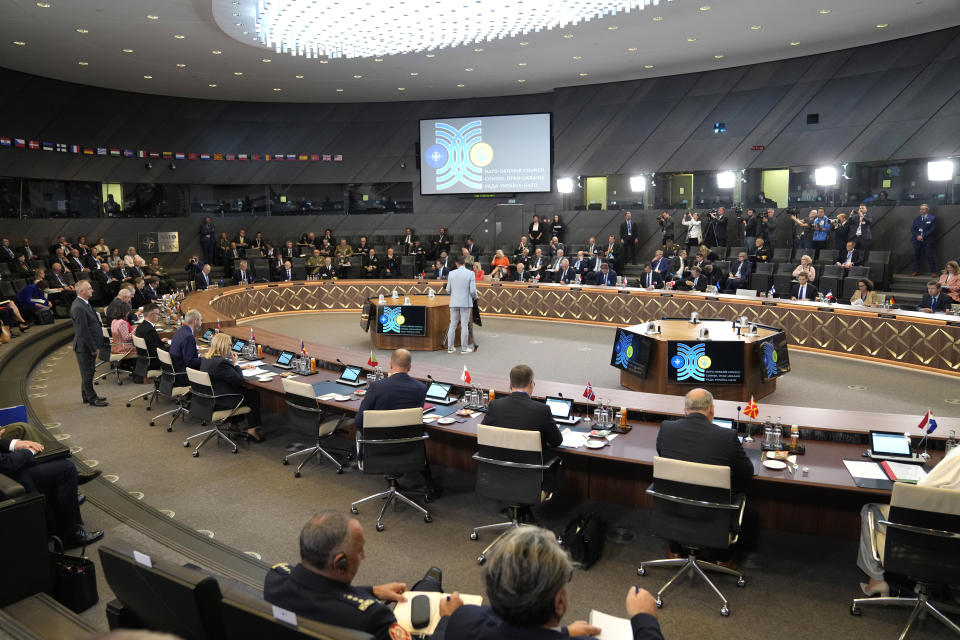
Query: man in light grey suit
x=88 y=336
x=462 y=285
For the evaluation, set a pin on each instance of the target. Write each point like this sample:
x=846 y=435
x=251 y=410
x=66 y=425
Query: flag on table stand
x=892 y=301
x=588 y=393
x=465 y=376
x=372 y=360
x=252 y=339
x=928 y=423
x=218 y=325
x=303 y=349
x=752 y=409
x=829 y=297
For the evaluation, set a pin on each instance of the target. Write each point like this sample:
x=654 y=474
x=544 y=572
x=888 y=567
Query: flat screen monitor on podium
x=402 y=320
x=631 y=352
x=774 y=358
x=692 y=362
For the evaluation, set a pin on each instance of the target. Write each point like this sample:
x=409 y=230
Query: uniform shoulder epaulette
x=282 y=567
x=362 y=604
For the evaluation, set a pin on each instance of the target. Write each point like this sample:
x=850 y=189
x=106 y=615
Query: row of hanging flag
x=115 y=152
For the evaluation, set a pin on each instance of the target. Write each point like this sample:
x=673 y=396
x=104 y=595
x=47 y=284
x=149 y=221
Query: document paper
x=573 y=439
x=402 y=610
x=868 y=470
x=611 y=627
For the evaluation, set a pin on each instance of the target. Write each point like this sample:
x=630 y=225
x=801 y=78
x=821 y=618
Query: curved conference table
x=620 y=472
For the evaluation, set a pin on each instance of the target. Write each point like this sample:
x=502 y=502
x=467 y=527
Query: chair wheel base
x=296 y=474
x=474 y=536
x=855 y=610
x=481 y=560
x=186 y=444
x=659 y=603
x=380 y=526
x=641 y=571
x=285 y=462
x=152 y=423
x=235 y=450
x=129 y=405
x=340 y=471
x=741 y=582
x=725 y=612
x=196 y=454
x=169 y=429
x=354 y=510
x=428 y=518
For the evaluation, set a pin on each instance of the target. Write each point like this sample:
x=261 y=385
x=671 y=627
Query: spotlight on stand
x=825 y=176
x=565 y=185
x=638 y=183
x=726 y=179
x=940 y=170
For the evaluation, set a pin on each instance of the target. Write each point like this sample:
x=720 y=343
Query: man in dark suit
x=327 y=271
x=87 y=340
x=243 y=274
x=651 y=279
x=861 y=229
x=440 y=272
x=760 y=252
x=7 y=253
x=473 y=248
x=183 y=347
x=56 y=480
x=606 y=276
x=803 y=290
x=935 y=300
x=629 y=238
x=442 y=244
x=370 y=264
x=660 y=263
x=148 y=331
x=203 y=280
x=520 y=411
x=695 y=438
x=390 y=264
x=537 y=264
x=696 y=281
x=288 y=274
x=850 y=257
x=566 y=274
x=740 y=273
x=922 y=235
x=398 y=391
x=521 y=275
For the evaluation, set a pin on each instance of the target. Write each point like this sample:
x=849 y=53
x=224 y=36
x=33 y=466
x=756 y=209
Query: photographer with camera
x=766 y=228
x=691 y=220
x=666 y=227
x=716 y=235
x=750 y=225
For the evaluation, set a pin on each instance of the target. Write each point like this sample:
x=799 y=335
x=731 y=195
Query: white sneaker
x=467 y=350
x=452 y=350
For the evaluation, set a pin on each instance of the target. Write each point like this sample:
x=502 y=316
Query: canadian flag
x=465 y=376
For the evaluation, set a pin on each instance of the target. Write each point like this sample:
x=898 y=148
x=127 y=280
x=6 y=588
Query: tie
x=206 y=279
x=243 y=276
x=649 y=279
x=629 y=227
x=933 y=303
x=803 y=290
x=288 y=274
x=850 y=256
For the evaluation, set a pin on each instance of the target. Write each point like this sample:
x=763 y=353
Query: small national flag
x=255 y=157
x=101 y=151
x=278 y=157
x=204 y=156
x=267 y=158
x=180 y=155
x=252 y=338
x=193 y=156
x=829 y=297
x=303 y=348
x=218 y=156
x=168 y=155
x=242 y=157
x=588 y=393
x=218 y=325
x=314 y=157
x=34 y=144
x=928 y=423
x=62 y=147
x=74 y=148
x=128 y=153
x=230 y=157
x=154 y=154
x=303 y=157
x=338 y=158
x=115 y=153
x=752 y=410
x=89 y=151
x=5 y=142
x=19 y=143
x=327 y=157
x=892 y=301
x=48 y=146
x=291 y=156
x=141 y=153
x=465 y=376
x=372 y=360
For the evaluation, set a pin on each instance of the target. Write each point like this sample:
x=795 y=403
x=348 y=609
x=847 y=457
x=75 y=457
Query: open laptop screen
x=723 y=422
x=560 y=407
x=207 y=335
x=239 y=345
x=438 y=391
x=350 y=374
x=285 y=358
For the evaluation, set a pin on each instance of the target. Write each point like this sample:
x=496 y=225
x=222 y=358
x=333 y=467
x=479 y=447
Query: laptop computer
x=207 y=336
x=351 y=376
x=723 y=422
x=284 y=360
x=238 y=346
x=560 y=408
x=891 y=445
x=439 y=393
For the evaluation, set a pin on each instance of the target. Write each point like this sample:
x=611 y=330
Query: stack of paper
x=573 y=439
x=611 y=627
x=253 y=371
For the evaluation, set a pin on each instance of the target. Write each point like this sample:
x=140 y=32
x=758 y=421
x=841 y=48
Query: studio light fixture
x=638 y=183
x=564 y=185
x=940 y=170
x=825 y=176
x=328 y=28
x=726 y=179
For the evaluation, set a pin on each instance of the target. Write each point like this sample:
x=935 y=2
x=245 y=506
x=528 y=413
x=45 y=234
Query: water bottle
x=951 y=441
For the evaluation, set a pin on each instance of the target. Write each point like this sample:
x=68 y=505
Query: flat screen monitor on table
x=402 y=320
x=692 y=362
x=631 y=352
x=774 y=358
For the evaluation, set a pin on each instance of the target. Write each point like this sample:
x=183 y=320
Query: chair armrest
x=696 y=503
x=872 y=526
x=10 y=488
x=394 y=440
x=513 y=465
x=939 y=533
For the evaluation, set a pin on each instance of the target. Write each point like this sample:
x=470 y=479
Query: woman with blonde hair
x=806 y=266
x=478 y=271
x=220 y=362
x=500 y=266
x=950 y=280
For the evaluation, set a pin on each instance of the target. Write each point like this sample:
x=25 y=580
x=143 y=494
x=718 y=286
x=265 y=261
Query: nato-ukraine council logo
x=691 y=362
x=769 y=357
x=624 y=350
x=459 y=155
x=391 y=319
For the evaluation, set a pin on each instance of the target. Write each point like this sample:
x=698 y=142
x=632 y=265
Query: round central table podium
x=418 y=326
x=676 y=371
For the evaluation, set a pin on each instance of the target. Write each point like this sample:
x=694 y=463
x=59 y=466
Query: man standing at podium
x=462 y=285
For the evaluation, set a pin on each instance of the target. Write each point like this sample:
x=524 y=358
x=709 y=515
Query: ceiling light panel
x=329 y=28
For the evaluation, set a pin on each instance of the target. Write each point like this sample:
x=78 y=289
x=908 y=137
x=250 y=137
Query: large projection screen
x=486 y=154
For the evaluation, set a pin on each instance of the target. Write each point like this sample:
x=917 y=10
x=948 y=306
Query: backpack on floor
x=583 y=538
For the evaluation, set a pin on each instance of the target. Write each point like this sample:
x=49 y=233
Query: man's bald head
x=400 y=360
x=698 y=401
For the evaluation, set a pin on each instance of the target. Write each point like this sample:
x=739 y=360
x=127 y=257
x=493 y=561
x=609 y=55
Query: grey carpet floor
x=253 y=503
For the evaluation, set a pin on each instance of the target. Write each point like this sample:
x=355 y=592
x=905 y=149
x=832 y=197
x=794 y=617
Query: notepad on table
x=903 y=472
x=612 y=627
x=573 y=439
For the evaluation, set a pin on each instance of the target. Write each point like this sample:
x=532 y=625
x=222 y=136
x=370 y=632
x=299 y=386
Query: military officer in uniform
x=319 y=587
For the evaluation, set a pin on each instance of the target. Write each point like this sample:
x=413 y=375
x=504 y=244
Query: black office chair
x=879 y=263
x=511 y=469
x=392 y=443
x=248 y=618
x=168 y=387
x=24 y=525
x=850 y=282
x=202 y=406
x=762 y=276
x=142 y=369
x=783 y=278
x=782 y=254
x=307 y=417
x=160 y=596
x=693 y=506
x=920 y=540
x=831 y=279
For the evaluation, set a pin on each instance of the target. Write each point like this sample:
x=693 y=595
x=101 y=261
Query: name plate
x=624 y=291
x=888 y=316
x=768 y=303
x=533 y=286
x=826 y=309
x=666 y=295
x=715 y=299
